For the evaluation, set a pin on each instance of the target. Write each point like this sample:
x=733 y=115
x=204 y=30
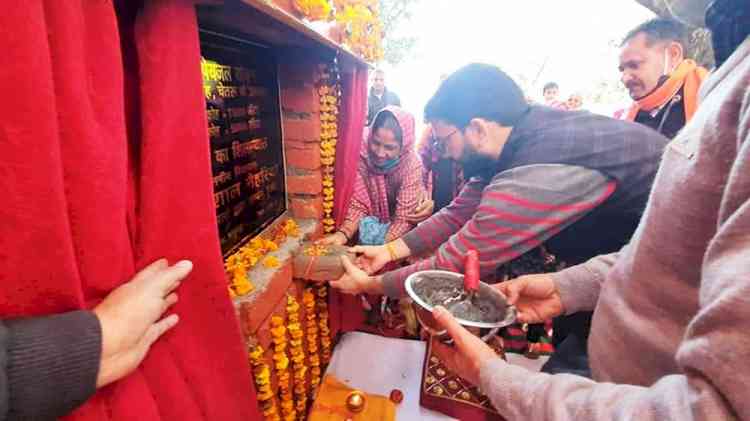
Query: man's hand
x=355 y=280
x=535 y=296
x=336 y=239
x=130 y=317
x=469 y=353
x=423 y=211
x=371 y=258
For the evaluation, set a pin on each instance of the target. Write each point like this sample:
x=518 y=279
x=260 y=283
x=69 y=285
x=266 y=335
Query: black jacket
x=375 y=104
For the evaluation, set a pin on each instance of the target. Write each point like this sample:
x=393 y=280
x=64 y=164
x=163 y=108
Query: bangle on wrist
x=391 y=251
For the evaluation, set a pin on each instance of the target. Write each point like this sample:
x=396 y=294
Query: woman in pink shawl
x=389 y=183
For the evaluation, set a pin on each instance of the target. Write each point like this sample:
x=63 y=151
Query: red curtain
x=104 y=167
x=346 y=312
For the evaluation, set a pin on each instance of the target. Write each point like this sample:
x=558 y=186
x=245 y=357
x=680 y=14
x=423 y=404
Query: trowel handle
x=471 y=271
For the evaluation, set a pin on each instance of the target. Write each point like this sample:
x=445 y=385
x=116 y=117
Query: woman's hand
x=535 y=296
x=423 y=211
x=336 y=239
x=371 y=258
x=355 y=280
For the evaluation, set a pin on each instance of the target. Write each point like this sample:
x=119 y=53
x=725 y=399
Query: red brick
x=300 y=98
x=306 y=130
x=306 y=207
x=295 y=69
x=311 y=183
x=302 y=154
x=254 y=313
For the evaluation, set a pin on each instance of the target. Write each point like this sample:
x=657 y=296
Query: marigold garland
x=324 y=331
x=308 y=301
x=313 y=9
x=256 y=250
x=362 y=27
x=329 y=92
x=264 y=391
x=281 y=364
x=297 y=356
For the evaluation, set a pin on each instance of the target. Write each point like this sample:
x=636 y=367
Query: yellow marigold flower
x=287 y=405
x=308 y=297
x=244 y=288
x=264 y=396
x=256 y=354
x=278 y=331
x=283 y=364
x=271 y=410
x=294 y=327
x=262 y=374
x=271 y=262
x=270 y=245
x=277 y=321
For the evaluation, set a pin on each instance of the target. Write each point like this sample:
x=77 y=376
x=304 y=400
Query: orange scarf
x=687 y=74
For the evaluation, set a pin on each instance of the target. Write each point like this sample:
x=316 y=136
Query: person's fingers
x=169 y=301
x=511 y=290
x=159 y=328
x=356 y=249
x=461 y=337
x=443 y=352
x=152 y=269
x=343 y=286
x=348 y=265
x=170 y=277
x=413 y=218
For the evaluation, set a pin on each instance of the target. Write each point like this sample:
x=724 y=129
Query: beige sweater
x=671 y=333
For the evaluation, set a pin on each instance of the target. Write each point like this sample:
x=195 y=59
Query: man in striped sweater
x=573 y=181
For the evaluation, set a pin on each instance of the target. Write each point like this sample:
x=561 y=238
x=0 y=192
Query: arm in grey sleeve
x=48 y=365
x=579 y=285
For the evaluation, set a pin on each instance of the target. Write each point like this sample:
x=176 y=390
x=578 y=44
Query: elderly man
x=380 y=97
x=662 y=82
x=670 y=338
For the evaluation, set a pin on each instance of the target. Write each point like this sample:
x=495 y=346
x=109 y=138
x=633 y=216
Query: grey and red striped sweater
x=575 y=181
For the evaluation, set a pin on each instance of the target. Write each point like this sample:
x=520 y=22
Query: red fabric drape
x=104 y=167
x=346 y=312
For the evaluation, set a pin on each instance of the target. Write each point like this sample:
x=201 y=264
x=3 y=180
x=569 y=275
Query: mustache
x=632 y=85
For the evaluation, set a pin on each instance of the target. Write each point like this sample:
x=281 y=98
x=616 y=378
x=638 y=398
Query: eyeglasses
x=439 y=142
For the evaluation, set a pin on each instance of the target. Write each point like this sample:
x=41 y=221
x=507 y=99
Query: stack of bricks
x=300 y=110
